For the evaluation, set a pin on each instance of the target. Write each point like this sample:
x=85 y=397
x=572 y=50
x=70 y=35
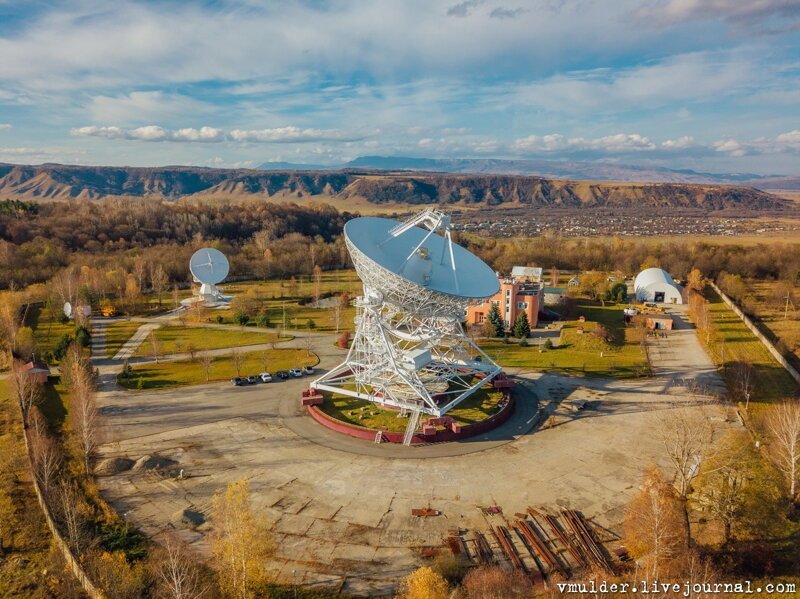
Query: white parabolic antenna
x=67 y=309
x=410 y=350
x=209 y=266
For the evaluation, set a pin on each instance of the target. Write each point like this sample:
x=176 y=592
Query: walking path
x=132 y=344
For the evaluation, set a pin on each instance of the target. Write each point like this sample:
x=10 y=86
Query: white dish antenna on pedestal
x=209 y=266
x=410 y=350
x=67 y=309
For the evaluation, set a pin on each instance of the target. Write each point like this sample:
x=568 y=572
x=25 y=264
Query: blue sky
x=705 y=84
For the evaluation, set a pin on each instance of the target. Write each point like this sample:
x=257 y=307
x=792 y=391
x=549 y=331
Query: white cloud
x=681 y=143
x=142 y=106
x=618 y=143
x=5 y=126
x=747 y=12
x=731 y=147
x=784 y=143
x=790 y=139
x=694 y=77
x=293 y=135
x=152 y=133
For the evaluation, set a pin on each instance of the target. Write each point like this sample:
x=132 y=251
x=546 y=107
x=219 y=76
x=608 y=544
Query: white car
x=266 y=377
x=296 y=372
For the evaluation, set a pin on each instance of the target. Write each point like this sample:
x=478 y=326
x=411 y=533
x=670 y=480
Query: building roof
x=526 y=271
x=555 y=289
x=650 y=276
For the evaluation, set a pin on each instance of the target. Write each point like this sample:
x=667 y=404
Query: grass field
x=166 y=375
x=732 y=343
x=580 y=353
x=47 y=330
x=479 y=406
x=771 y=309
x=28 y=568
x=274 y=297
x=175 y=339
x=117 y=333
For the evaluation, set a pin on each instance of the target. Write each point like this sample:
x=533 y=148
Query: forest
x=272 y=240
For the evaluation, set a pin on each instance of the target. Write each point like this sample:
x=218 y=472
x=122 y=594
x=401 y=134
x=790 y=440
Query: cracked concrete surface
x=342 y=510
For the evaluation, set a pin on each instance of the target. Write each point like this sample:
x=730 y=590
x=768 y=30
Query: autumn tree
x=155 y=346
x=83 y=403
x=25 y=389
x=695 y=281
x=241 y=542
x=595 y=285
x=238 y=361
x=317 y=274
x=158 y=281
x=685 y=438
x=118 y=578
x=783 y=422
x=722 y=483
x=494 y=582
x=46 y=454
x=424 y=583
x=206 y=360
x=742 y=375
x=176 y=573
x=654 y=530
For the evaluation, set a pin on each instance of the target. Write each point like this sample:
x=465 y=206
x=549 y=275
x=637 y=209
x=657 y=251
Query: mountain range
x=553 y=169
x=70 y=182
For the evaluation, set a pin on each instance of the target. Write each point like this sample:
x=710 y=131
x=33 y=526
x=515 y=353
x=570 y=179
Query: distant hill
x=557 y=169
x=61 y=182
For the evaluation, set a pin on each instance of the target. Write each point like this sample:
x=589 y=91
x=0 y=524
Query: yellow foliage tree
x=118 y=578
x=241 y=543
x=424 y=583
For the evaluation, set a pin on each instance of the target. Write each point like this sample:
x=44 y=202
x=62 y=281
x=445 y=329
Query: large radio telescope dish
x=410 y=350
x=209 y=266
x=420 y=257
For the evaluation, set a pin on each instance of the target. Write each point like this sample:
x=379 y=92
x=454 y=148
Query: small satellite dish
x=67 y=309
x=209 y=266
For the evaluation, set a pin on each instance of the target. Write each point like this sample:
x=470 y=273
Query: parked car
x=282 y=374
x=237 y=381
x=296 y=372
x=266 y=377
x=253 y=379
x=308 y=370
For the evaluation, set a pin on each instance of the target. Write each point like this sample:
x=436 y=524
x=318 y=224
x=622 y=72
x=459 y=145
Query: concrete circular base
x=521 y=420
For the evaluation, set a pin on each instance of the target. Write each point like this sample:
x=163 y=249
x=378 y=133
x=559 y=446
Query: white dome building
x=656 y=285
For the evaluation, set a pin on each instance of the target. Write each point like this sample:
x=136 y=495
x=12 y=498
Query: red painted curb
x=368 y=434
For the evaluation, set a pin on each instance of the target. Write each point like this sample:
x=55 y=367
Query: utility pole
x=786 y=311
x=283 y=305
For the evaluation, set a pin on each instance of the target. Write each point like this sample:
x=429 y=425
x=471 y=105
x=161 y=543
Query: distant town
x=574 y=224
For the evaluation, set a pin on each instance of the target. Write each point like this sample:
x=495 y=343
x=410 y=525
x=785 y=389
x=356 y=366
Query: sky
x=711 y=85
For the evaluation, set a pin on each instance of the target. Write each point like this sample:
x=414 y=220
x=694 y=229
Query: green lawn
x=479 y=406
x=580 y=353
x=181 y=373
x=47 y=330
x=117 y=333
x=275 y=296
x=732 y=342
x=175 y=339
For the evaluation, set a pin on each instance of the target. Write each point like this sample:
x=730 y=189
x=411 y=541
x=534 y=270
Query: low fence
x=758 y=333
x=73 y=563
x=368 y=434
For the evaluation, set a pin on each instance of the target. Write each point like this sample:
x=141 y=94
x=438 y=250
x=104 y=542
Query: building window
x=479 y=318
x=508 y=292
x=522 y=305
